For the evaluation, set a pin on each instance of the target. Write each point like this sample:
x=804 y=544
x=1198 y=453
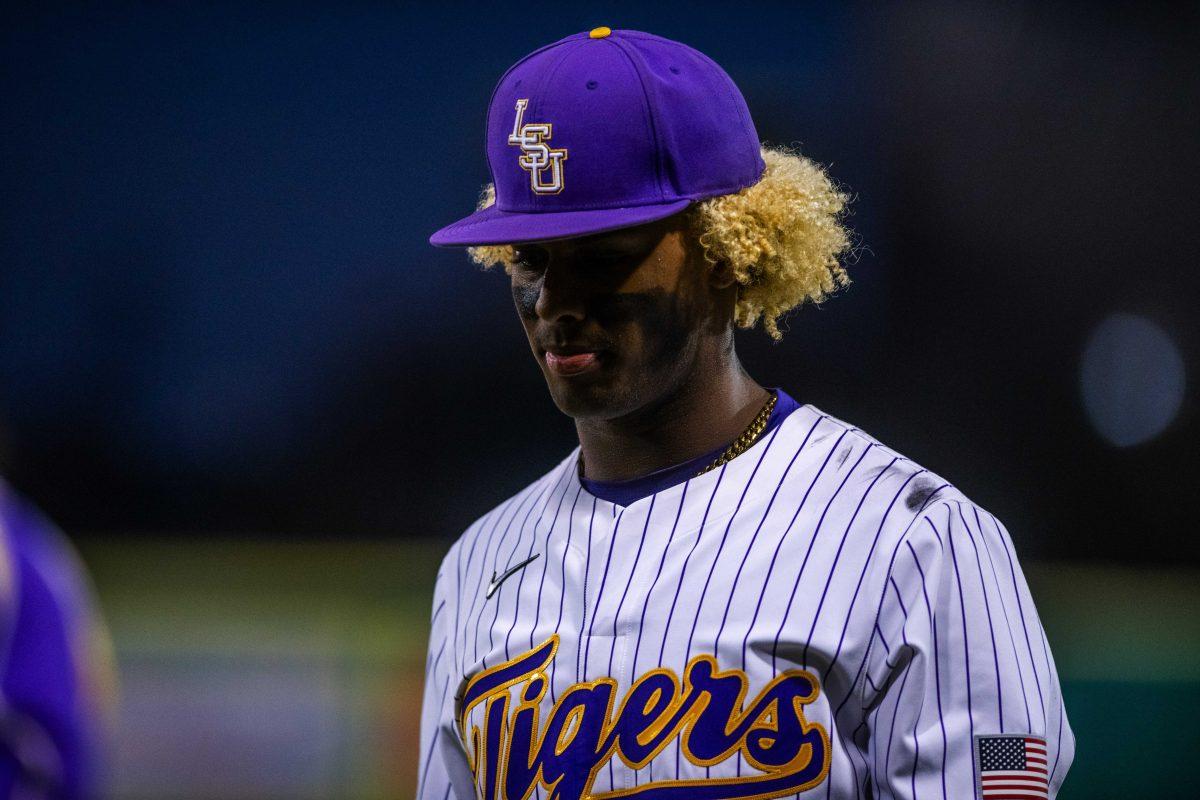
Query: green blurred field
x=292 y=670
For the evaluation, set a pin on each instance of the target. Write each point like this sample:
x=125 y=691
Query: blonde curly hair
x=783 y=238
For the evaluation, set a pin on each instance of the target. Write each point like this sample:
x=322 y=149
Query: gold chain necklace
x=740 y=445
x=748 y=437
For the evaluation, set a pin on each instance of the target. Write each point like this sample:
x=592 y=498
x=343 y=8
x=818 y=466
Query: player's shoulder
x=886 y=474
x=922 y=503
x=521 y=502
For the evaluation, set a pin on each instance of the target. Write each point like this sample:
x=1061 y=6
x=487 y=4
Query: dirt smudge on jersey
x=920 y=494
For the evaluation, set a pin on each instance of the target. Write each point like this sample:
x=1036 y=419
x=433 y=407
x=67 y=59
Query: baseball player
x=722 y=592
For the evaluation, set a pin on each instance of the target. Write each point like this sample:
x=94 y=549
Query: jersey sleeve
x=961 y=688
x=443 y=770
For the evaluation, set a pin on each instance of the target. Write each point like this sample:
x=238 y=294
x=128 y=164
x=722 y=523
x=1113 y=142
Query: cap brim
x=491 y=226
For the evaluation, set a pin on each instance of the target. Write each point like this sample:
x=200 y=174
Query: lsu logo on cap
x=537 y=158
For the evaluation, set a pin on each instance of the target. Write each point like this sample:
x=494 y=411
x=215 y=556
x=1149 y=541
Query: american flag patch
x=1012 y=767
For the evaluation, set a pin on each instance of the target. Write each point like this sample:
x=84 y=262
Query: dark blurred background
x=235 y=373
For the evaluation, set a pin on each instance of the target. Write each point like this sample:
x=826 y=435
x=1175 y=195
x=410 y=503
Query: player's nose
x=563 y=294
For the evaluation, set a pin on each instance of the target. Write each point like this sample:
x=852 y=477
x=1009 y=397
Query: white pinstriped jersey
x=819 y=618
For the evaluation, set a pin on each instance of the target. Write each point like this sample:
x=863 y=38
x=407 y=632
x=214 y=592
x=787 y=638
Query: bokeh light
x=1132 y=379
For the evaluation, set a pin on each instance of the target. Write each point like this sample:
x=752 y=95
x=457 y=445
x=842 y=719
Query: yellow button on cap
x=600 y=33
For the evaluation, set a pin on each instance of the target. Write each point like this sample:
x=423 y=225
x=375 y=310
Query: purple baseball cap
x=604 y=130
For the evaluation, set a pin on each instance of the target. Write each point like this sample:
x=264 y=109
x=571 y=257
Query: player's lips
x=573 y=364
x=571 y=360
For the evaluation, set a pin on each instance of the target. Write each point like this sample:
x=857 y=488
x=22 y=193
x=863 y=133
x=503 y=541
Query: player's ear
x=721 y=275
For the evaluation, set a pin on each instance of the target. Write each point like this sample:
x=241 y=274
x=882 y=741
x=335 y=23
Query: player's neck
x=707 y=412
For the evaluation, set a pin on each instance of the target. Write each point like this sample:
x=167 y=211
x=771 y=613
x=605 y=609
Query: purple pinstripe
x=670 y=538
x=1012 y=570
x=562 y=596
x=1008 y=624
x=483 y=559
x=849 y=611
x=754 y=539
x=683 y=571
x=612 y=543
x=433 y=621
x=587 y=568
x=775 y=556
x=1058 y=736
x=461 y=628
x=988 y=609
x=962 y=604
x=495 y=567
x=521 y=582
x=917 y=721
x=642 y=625
x=816 y=532
x=617 y=614
x=724 y=538
x=887 y=761
x=837 y=557
x=937 y=679
x=546 y=561
x=437 y=734
x=862 y=574
x=637 y=557
x=717 y=556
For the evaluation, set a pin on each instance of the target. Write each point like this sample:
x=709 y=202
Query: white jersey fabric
x=820 y=618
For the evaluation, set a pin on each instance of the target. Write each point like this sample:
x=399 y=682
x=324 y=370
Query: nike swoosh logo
x=508 y=573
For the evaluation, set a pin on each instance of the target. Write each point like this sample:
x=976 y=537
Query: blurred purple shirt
x=55 y=671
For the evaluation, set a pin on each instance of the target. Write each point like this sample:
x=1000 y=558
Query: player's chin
x=591 y=393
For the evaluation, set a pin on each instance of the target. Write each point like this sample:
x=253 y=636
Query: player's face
x=615 y=319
